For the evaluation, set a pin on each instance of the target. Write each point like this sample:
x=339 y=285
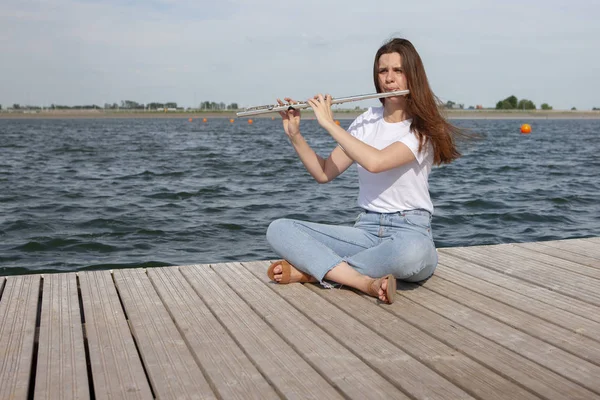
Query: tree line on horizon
x=509 y=103
x=512 y=103
x=131 y=105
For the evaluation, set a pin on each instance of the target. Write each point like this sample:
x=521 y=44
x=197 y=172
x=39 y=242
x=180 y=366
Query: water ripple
x=98 y=194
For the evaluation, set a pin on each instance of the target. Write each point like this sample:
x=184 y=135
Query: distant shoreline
x=338 y=114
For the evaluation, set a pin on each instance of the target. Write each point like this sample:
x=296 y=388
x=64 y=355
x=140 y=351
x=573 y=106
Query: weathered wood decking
x=515 y=321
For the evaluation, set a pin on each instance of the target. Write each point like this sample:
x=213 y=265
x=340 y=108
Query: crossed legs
x=345 y=275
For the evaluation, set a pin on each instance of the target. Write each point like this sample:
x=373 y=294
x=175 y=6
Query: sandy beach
x=339 y=114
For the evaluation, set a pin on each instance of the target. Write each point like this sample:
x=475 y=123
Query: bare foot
x=295 y=275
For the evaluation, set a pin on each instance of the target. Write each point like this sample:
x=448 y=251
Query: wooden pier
x=512 y=321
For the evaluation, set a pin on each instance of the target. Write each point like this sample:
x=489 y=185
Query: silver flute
x=299 y=105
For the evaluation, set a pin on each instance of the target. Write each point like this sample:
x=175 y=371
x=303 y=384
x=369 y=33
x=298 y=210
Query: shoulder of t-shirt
x=411 y=140
x=370 y=115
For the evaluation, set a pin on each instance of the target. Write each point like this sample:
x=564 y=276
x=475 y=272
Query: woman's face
x=391 y=74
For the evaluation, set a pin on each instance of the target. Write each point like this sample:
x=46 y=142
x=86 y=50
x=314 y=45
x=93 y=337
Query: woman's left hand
x=321 y=106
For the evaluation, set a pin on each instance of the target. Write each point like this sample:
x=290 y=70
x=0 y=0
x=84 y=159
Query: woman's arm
x=370 y=158
x=322 y=170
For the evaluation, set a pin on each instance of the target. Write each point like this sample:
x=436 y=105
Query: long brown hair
x=424 y=106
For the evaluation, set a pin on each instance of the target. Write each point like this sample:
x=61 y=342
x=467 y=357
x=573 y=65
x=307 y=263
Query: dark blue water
x=99 y=193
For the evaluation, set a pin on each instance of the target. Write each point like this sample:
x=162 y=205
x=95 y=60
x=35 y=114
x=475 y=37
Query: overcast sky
x=75 y=52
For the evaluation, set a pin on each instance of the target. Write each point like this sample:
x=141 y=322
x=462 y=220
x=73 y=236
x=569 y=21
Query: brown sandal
x=390 y=293
x=286 y=271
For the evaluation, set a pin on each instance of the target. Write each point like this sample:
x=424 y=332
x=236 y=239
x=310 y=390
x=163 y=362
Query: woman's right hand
x=291 y=119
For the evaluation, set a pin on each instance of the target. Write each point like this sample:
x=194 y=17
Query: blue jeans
x=379 y=244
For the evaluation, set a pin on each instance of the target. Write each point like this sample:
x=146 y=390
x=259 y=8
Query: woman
x=395 y=146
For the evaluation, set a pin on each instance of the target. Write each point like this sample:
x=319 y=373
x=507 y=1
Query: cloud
x=75 y=52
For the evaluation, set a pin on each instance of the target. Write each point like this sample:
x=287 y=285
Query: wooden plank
x=354 y=378
x=531 y=375
x=592 y=239
x=61 y=363
x=231 y=373
x=531 y=254
x=565 y=319
x=540 y=274
x=18 y=312
x=117 y=370
x=292 y=376
x=578 y=246
x=581 y=247
x=462 y=371
x=559 y=253
x=170 y=366
x=539 y=351
x=568 y=340
x=531 y=290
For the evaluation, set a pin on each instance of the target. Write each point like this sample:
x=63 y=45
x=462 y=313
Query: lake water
x=100 y=193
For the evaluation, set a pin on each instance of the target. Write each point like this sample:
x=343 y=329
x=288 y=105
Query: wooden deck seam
x=269 y=348
x=482 y=292
x=450 y=346
x=235 y=340
x=2 y=286
x=137 y=292
x=233 y=337
x=102 y=317
x=61 y=369
x=413 y=354
x=556 y=253
x=307 y=315
x=188 y=345
x=75 y=315
x=86 y=346
x=568 y=265
x=578 y=280
x=557 y=329
x=33 y=373
x=491 y=366
x=515 y=311
x=595 y=390
x=582 y=248
x=285 y=339
x=119 y=364
x=36 y=338
x=137 y=347
x=383 y=374
x=575 y=303
x=525 y=279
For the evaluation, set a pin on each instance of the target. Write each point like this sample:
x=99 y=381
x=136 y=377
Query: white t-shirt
x=399 y=189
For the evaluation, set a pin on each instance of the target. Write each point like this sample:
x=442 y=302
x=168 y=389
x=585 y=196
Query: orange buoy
x=191 y=119
x=272 y=118
x=525 y=129
x=250 y=121
x=204 y=119
x=337 y=122
x=231 y=120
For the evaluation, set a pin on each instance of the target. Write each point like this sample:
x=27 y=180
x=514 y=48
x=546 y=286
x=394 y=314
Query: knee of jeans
x=415 y=262
x=277 y=228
